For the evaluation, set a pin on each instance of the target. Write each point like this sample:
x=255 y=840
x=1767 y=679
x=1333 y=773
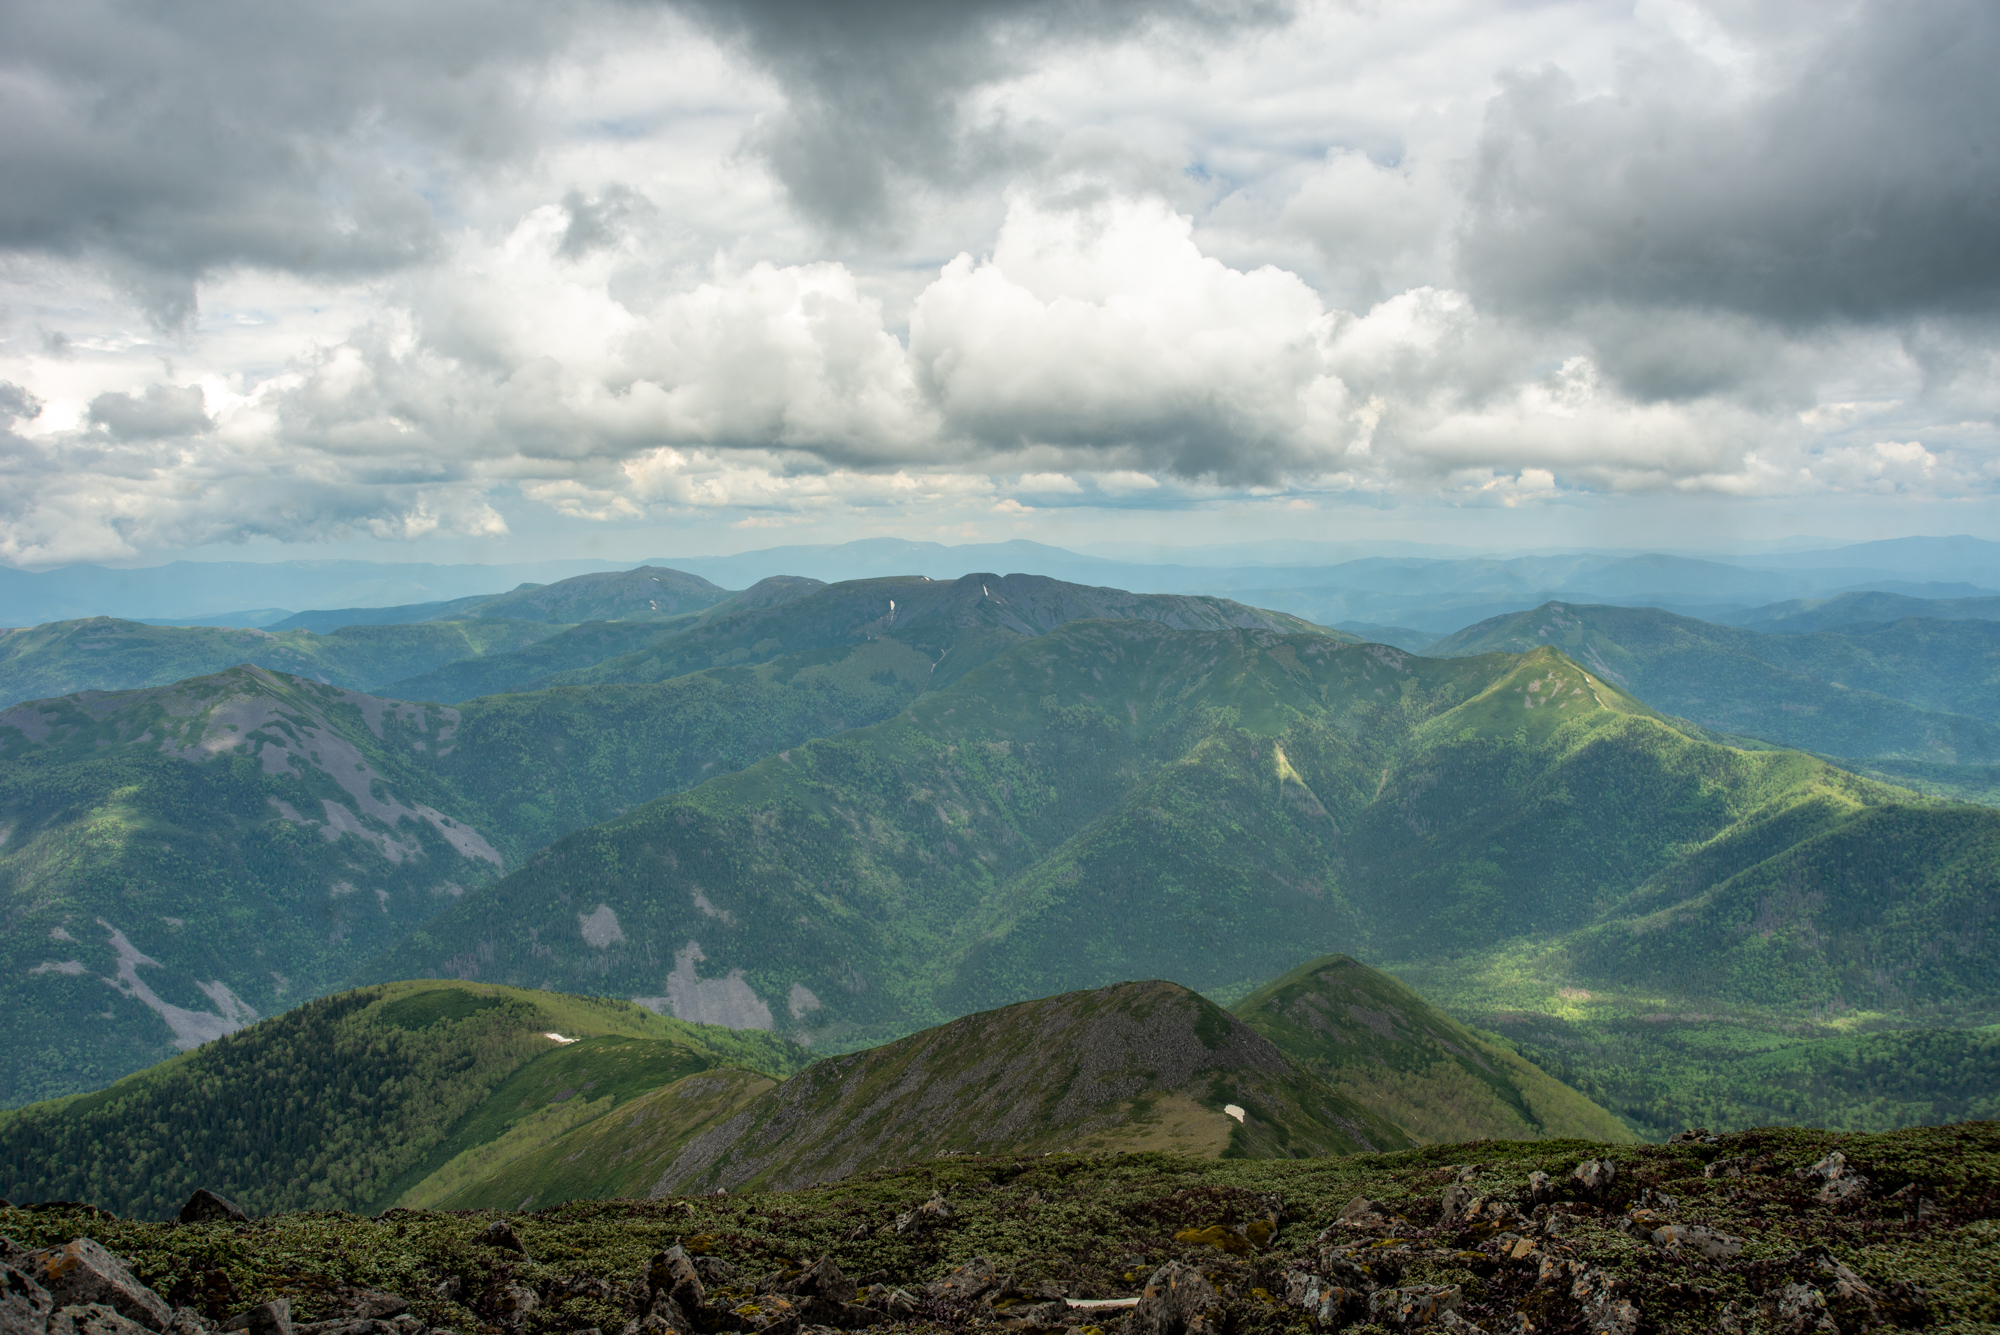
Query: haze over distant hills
x=1395 y=584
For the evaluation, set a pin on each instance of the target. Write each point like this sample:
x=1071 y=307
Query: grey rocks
x=1596 y=1175
x=205 y=1207
x=1177 y=1300
x=1839 y=1181
x=81 y=1273
x=933 y=1213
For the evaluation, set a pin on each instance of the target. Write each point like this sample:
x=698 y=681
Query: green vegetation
x=1383 y=1046
x=1916 y=689
x=1098 y=1226
x=346 y=1102
x=105 y=654
x=315 y=827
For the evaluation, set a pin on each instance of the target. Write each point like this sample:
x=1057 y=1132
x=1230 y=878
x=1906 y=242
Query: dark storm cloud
x=169 y=142
x=875 y=89
x=1860 y=181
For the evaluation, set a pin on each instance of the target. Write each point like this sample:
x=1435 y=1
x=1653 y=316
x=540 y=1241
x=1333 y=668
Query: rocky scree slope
x=1768 y=1231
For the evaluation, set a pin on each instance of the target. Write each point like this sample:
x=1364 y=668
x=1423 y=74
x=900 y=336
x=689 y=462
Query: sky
x=510 y=279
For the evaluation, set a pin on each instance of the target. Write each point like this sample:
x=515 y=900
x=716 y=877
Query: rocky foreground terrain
x=1775 y=1230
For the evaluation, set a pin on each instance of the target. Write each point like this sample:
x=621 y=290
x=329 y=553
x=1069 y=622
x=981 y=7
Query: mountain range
x=842 y=813
x=469 y=1096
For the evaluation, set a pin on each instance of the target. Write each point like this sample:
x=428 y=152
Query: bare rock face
x=1178 y=1300
x=1595 y=1174
x=25 y=1306
x=1841 y=1182
x=80 y=1273
x=93 y=1319
x=1415 y=1306
x=968 y=1283
x=205 y=1207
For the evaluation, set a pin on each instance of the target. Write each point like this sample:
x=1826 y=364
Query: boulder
x=1456 y=1197
x=500 y=1236
x=271 y=1318
x=966 y=1284
x=1606 y=1311
x=1595 y=1174
x=1694 y=1135
x=205 y=1207
x=901 y=1305
x=1698 y=1240
x=1415 y=1306
x=1541 y=1188
x=25 y=1306
x=1177 y=1300
x=81 y=1273
x=95 y=1319
x=673 y=1273
x=1841 y=1182
x=933 y=1213
x=1797 y=1309
x=1362 y=1213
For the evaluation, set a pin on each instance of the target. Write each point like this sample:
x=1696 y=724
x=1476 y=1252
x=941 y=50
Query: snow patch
x=1233 y=1110
x=554 y=1037
x=68 y=968
x=600 y=928
x=58 y=934
x=701 y=901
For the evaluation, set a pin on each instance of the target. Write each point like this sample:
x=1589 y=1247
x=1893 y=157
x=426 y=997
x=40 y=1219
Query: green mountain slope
x=1848 y=610
x=105 y=654
x=1119 y=799
x=960 y=623
x=343 y=1102
x=1916 y=689
x=646 y=593
x=1383 y=1046
x=584 y=645
x=1135 y=1066
x=180 y=860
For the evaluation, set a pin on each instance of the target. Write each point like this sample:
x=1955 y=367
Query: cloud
x=168 y=144
x=877 y=92
x=158 y=413
x=1840 y=168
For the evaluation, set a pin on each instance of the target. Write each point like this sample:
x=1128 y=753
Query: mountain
x=346 y=1102
x=1379 y=1043
x=185 y=589
x=1850 y=610
x=647 y=593
x=957 y=624
x=1119 y=799
x=102 y=654
x=1915 y=689
x=576 y=647
x=180 y=860
x=1135 y=1066
x=234 y=844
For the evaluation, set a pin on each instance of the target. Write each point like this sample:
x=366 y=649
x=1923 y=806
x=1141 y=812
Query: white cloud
x=1131 y=265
